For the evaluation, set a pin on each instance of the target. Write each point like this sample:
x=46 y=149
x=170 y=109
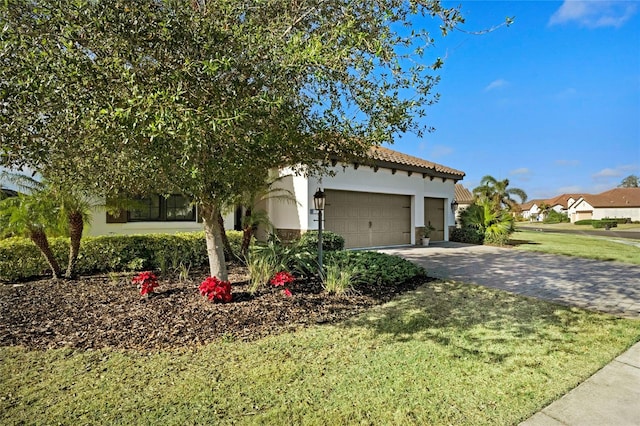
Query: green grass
x=448 y=353
x=592 y=247
x=573 y=227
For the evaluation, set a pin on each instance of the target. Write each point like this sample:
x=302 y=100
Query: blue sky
x=552 y=102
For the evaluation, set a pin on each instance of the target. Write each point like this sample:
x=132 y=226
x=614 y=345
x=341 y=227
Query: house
x=384 y=201
x=387 y=201
x=615 y=203
x=463 y=199
x=531 y=210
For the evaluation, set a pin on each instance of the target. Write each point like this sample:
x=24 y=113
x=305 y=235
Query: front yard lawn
x=588 y=246
x=446 y=353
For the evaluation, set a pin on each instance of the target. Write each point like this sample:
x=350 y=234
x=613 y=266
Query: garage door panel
x=368 y=219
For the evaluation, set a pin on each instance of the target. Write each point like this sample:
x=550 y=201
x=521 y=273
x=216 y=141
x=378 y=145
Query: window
x=158 y=208
x=146 y=209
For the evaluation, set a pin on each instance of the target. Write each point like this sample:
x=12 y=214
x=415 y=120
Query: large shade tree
x=200 y=97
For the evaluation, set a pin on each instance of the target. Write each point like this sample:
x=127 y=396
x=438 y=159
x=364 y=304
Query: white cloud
x=495 y=84
x=439 y=151
x=567 y=162
x=607 y=173
x=521 y=171
x=594 y=14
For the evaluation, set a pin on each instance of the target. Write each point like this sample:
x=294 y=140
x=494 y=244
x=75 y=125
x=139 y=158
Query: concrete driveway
x=596 y=285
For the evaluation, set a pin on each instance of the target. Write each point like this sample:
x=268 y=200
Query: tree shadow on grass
x=472 y=320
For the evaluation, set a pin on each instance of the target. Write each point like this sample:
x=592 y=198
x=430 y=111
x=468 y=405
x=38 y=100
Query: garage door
x=367 y=219
x=434 y=216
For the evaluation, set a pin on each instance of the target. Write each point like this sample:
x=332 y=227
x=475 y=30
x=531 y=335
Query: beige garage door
x=434 y=216
x=366 y=219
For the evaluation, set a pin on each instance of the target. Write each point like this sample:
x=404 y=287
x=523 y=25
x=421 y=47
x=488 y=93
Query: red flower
x=282 y=278
x=287 y=292
x=214 y=289
x=146 y=281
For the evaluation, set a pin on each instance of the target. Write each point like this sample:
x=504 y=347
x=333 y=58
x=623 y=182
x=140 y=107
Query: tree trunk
x=228 y=251
x=76 y=225
x=39 y=238
x=213 y=236
x=247 y=233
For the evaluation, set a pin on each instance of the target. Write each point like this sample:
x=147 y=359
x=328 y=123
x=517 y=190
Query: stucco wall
x=99 y=225
x=619 y=212
x=365 y=179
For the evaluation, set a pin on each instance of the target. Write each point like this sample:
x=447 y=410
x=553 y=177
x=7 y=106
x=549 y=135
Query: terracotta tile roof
x=385 y=157
x=563 y=200
x=527 y=206
x=618 y=197
x=462 y=194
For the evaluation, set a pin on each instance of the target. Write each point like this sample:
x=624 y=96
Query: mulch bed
x=102 y=311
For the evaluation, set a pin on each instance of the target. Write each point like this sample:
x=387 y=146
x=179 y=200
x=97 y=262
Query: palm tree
x=254 y=216
x=72 y=207
x=498 y=193
x=494 y=224
x=32 y=215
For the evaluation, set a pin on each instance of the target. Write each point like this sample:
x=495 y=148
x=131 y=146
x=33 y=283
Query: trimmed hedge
x=604 y=223
x=20 y=258
x=330 y=241
x=466 y=235
x=583 y=222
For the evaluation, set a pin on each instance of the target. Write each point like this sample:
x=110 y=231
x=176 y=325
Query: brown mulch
x=102 y=311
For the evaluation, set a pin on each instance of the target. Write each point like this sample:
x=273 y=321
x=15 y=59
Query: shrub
x=20 y=259
x=618 y=220
x=146 y=282
x=338 y=277
x=214 y=289
x=604 y=223
x=330 y=241
x=583 y=222
x=376 y=268
x=267 y=259
x=466 y=235
x=556 y=217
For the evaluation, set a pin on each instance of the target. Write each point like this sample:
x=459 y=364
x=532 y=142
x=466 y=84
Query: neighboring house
x=385 y=201
x=531 y=210
x=463 y=197
x=615 y=203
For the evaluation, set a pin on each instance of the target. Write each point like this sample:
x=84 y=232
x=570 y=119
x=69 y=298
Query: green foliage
x=618 y=220
x=330 y=241
x=583 y=222
x=339 y=277
x=265 y=260
x=553 y=216
x=604 y=223
x=467 y=235
x=497 y=192
x=495 y=223
x=20 y=259
x=631 y=181
x=200 y=98
x=376 y=268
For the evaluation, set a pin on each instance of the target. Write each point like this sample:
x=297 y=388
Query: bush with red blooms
x=146 y=281
x=282 y=278
x=214 y=289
